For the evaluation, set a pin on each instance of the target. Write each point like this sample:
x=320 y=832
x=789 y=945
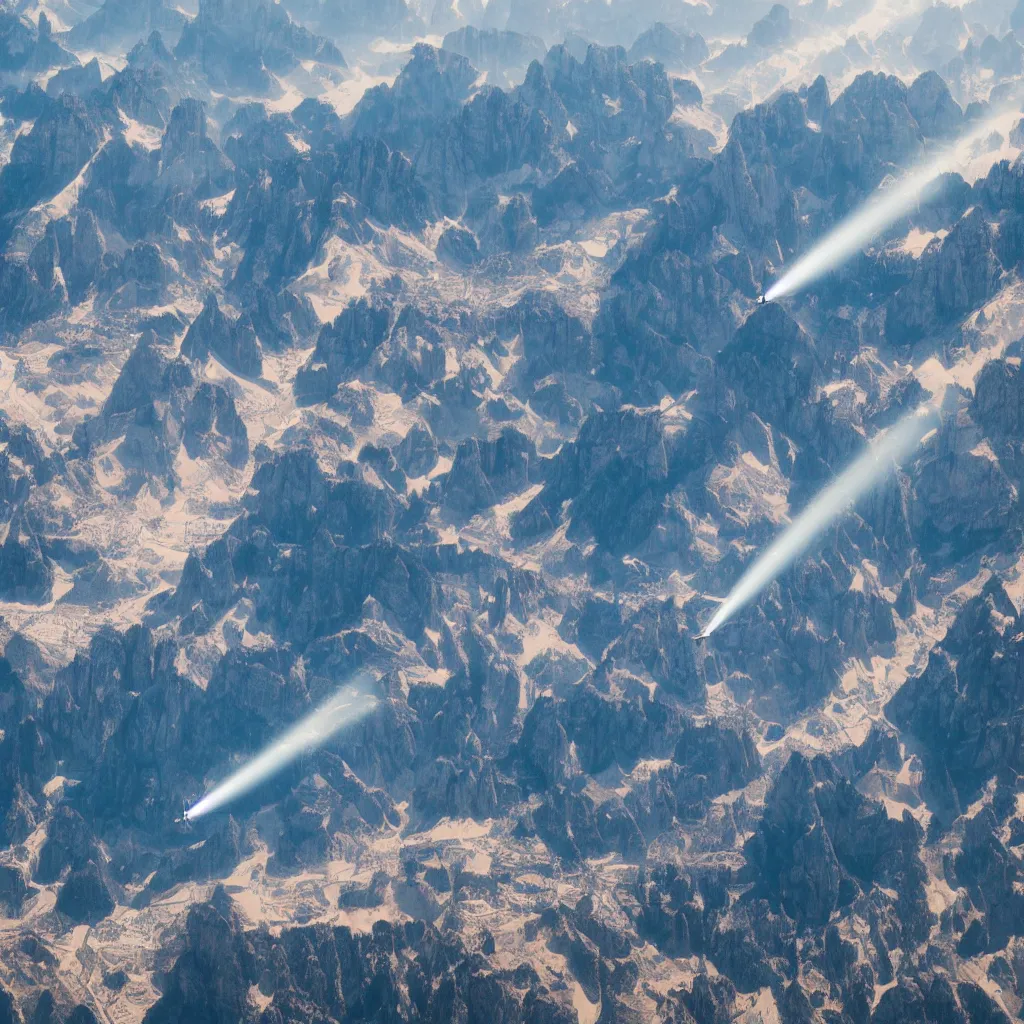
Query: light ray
x=345 y=708
x=880 y=211
x=860 y=476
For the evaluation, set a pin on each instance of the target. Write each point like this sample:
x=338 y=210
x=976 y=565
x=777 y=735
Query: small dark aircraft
x=761 y=300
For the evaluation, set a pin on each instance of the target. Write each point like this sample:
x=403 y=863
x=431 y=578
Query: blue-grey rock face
x=240 y=44
x=47 y=158
x=773 y=30
x=79 y=80
x=495 y=51
x=441 y=366
x=119 y=25
x=27 y=46
x=675 y=50
x=234 y=343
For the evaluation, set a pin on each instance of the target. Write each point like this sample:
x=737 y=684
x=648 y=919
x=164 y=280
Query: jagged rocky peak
x=30 y=48
x=26 y=296
x=970 y=258
x=143 y=377
x=345 y=346
x=47 y=158
x=998 y=402
x=960 y=707
x=186 y=133
x=1004 y=56
x=874 y=107
x=241 y=45
x=684 y=51
x=27 y=574
x=69 y=845
x=978 y=509
x=78 y=81
x=687 y=92
x=319 y=119
x=818 y=100
x=768 y=341
x=934 y=109
x=212 y=424
x=159 y=404
x=640 y=93
x=821 y=843
x=75 y=248
x=232 y=342
x=493 y=50
x=618 y=517
x=773 y=30
x=936 y=39
x=433 y=85
x=189 y=158
x=486 y=472
x=152 y=55
x=120 y=24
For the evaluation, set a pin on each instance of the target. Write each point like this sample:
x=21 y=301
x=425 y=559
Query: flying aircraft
x=701 y=637
x=761 y=300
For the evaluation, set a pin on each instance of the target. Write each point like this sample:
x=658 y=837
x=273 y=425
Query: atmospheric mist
x=868 y=470
x=345 y=708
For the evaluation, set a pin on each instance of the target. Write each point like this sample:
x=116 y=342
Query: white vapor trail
x=859 y=477
x=346 y=707
x=875 y=215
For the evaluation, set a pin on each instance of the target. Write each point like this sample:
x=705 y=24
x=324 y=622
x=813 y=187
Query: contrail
x=346 y=707
x=875 y=215
x=860 y=476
